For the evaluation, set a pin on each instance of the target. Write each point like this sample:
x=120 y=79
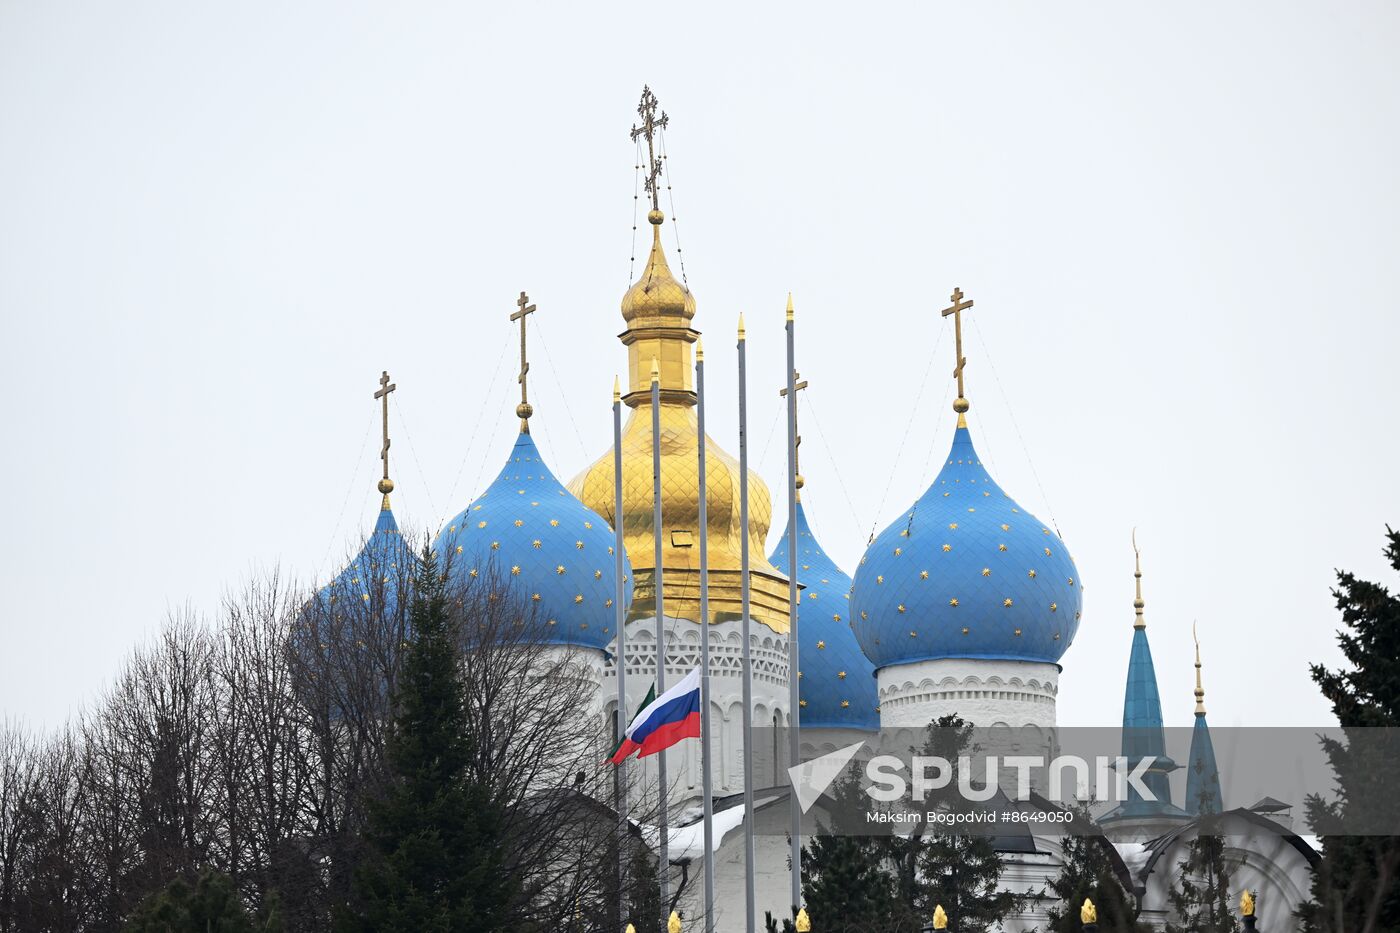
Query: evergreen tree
x=1201 y=900
x=209 y=905
x=844 y=881
x=1087 y=872
x=1354 y=888
x=435 y=840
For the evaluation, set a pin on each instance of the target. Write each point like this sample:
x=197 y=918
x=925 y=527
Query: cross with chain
x=386 y=485
x=798 y=385
x=958 y=306
x=651 y=123
x=523 y=410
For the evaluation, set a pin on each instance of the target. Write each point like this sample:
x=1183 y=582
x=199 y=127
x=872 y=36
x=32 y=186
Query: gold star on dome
x=459 y=549
x=535 y=597
x=1070 y=581
x=1054 y=607
x=1001 y=547
x=864 y=615
x=610 y=550
x=472 y=573
x=953 y=601
x=1006 y=602
x=597 y=574
x=986 y=571
x=845 y=703
x=1031 y=574
x=537 y=543
x=913 y=634
x=1018 y=632
x=952 y=526
x=1005 y=527
x=821 y=644
x=554 y=523
x=578 y=545
x=495 y=545
x=515 y=570
x=559 y=569
x=947 y=548
x=518 y=523
x=836 y=617
x=476 y=508
x=900 y=607
x=551 y=622
x=1047 y=552
x=802 y=703
x=578 y=598
x=923 y=574
x=608 y=603
x=840 y=675
x=966 y=630
x=588 y=524
x=898 y=551
x=481 y=524
x=904 y=533
x=879 y=578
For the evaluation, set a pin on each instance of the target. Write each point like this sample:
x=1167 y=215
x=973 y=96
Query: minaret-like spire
x=1200 y=691
x=798 y=385
x=1138 y=604
x=524 y=410
x=959 y=305
x=386 y=485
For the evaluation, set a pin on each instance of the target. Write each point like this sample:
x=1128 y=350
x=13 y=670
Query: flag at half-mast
x=663 y=722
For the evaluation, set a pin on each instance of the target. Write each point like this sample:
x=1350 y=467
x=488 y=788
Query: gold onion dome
x=658 y=310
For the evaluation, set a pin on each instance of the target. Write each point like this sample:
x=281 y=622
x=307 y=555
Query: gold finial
x=617 y=390
x=798 y=385
x=648 y=129
x=674 y=924
x=789 y=307
x=960 y=404
x=631 y=929
x=1138 y=604
x=940 y=918
x=803 y=922
x=741 y=325
x=655 y=371
x=1246 y=904
x=386 y=485
x=1088 y=913
x=523 y=410
x=1200 y=691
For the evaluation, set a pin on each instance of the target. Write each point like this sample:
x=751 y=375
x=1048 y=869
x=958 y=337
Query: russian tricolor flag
x=663 y=722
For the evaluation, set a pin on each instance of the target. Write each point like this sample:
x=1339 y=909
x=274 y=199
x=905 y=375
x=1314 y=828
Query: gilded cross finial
x=798 y=384
x=648 y=129
x=959 y=305
x=1200 y=691
x=386 y=485
x=1138 y=604
x=523 y=410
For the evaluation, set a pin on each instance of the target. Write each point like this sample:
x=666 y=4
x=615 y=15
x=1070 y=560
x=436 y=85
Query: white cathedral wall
x=770 y=700
x=983 y=692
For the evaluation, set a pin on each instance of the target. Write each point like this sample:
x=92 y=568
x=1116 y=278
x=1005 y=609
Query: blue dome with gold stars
x=837 y=682
x=965 y=573
x=378 y=576
x=554 y=550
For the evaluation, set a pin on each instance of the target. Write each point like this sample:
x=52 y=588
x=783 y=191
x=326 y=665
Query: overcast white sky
x=218 y=223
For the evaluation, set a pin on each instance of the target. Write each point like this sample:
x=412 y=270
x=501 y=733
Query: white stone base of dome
x=983 y=692
x=770 y=700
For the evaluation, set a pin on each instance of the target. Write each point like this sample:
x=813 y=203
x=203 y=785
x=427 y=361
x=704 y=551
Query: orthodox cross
x=958 y=306
x=648 y=128
x=523 y=410
x=385 y=387
x=798 y=385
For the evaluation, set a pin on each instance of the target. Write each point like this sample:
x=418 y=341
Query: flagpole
x=706 y=781
x=794 y=703
x=620 y=621
x=665 y=867
x=750 y=899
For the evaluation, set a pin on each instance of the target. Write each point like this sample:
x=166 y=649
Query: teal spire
x=1143 y=734
x=1202 y=776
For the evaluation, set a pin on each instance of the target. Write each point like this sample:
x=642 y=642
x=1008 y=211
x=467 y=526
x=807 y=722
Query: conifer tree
x=435 y=841
x=844 y=880
x=1354 y=886
x=209 y=905
x=1087 y=872
x=1202 y=898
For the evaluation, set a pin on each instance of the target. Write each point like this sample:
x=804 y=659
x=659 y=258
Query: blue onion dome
x=965 y=572
x=548 y=545
x=379 y=576
x=836 y=686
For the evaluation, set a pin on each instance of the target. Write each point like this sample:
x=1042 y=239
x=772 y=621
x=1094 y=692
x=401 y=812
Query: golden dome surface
x=658 y=310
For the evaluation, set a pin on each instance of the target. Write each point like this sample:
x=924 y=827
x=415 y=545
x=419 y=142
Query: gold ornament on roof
x=959 y=305
x=658 y=311
x=803 y=924
x=1200 y=691
x=1138 y=603
x=1088 y=913
x=1246 y=904
x=523 y=411
x=674 y=924
x=940 y=918
x=386 y=485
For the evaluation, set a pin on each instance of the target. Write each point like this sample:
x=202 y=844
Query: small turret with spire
x=1203 y=793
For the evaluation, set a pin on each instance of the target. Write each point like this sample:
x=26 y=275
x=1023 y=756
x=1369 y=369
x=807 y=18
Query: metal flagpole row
x=620 y=621
x=794 y=705
x=662 y=788
x=706 y=780
x=750 y=905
